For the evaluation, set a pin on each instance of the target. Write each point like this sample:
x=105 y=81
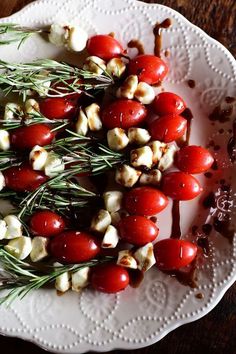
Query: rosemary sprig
x=22 y=78
x=11 y=32
x=21 y=277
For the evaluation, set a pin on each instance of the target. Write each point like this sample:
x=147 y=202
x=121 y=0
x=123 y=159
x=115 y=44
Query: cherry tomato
x=28 y=136
x=137 y=230
x=62 y=87
x=168 y=103
x=145 y=201
x=109 y=278
x=180 y=186
x=123 y=114
x=194 y=159
x=23 y=178
x=172 y=254
x=148 y=68
x=74 y=247
x=58 y=108
x=104 y=46
x=46 y=223
x=168 y=128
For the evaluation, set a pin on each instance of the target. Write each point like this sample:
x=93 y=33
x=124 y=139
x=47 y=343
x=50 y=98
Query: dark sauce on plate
x=157 y=31
x=136 y=43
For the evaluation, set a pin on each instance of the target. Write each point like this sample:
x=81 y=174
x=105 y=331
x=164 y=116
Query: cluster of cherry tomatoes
x=69 y=246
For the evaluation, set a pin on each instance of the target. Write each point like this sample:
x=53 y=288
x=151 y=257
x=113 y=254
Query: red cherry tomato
x=168 y=128
x=145 y=201
x=46 y=223
x=74 y=247
x=23 y=178
x=181 y=186
x=123 y=114
x=148 y=68
x=58 y=108
x=194 y=159
x=28 y=136
x=62 y=87
x=104 y=46
x=168 y=103
x=137 y=230
x=109 y=278
x=172 y=254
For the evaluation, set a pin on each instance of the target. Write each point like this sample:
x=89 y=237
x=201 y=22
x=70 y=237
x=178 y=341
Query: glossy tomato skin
x=28 y=136
x=146 y=201
x=104 y=47
x=168 y=103
x=148 y=68
x=137 y=230
x=58 y=108
x=109 y=278
x=168 y=128
x=194 y=159
x=123 y=114
x=23 y=178
x=180 y=186
x=172 y=254
x=74 y=247
x=46 y=223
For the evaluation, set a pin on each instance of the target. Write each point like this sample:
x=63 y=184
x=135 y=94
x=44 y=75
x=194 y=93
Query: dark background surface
x=216 y=332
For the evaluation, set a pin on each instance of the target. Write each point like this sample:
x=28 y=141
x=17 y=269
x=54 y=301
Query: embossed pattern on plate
x=138 y=317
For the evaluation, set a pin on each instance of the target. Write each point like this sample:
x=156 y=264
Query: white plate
x=137 y=317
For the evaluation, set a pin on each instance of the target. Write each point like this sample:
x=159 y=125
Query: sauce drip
x=135 y=43
x=209 y=201
x=224 y=227
x=175 y=230
x=231 y=146
x=157 y=31
x=221 y=115
x=136 y=277
x=191 y=83
x=186 y=277
x=188 y=115
x=199 y=296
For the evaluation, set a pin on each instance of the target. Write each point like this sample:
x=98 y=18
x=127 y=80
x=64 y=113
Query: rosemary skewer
x=11 y=33
x=21 y=277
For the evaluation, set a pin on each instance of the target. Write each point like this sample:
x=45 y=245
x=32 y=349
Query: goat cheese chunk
x=111 y=237
x=4 y=140
x=138 y=136
x=31 y=106
x=38 y=157
x=62 y=282
x=14 y=227
x=127 y=176
x=125 y=259
x=20 y=247
x=39 y=248
x=3 y=229
x=128 y=87
x=144 y=93
x=141 y=157
x=80 y=279
x=116 y=67
x=113 y=200
x=73 y=37
x=2 y=181
x=167 y=158
x=54 y=165
x=101 y=221
x=115 y=218
x=93 y=115
x=145 y=257
x=158 y=149
x=81 y=125
x=95 y=65
x=117 y=139
x=12 y=110
x=153 y=177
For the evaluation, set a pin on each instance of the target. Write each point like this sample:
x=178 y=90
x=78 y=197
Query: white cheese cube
x=127 y=176
x=95 y=65
x=141 y=157
x=101 y=221
x=128 y=87
x=62 y=283
x=153 y=177
x=4 y=140
x=144 y=93
x=116 y=67
x=125 y=259
x=157 y=148
x=39 y=248
x=93 y=116
x=3 y=229
x=113 y=200
x=167 y=158
x=80 y=279
x=57 y=34
x=145 y=257
x=14 y=227
x=12 y=110
x=138 y=136
x=111 y=237
x=54 y=165
x=117 y=139
x=77 y=39
x=31 y=106
x=81 y=125
x=20 y=247
x=38 y=157
x=115 y=218
x=2 y=181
